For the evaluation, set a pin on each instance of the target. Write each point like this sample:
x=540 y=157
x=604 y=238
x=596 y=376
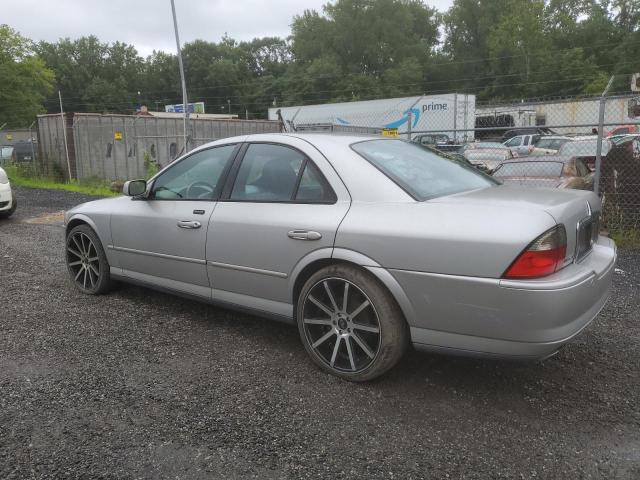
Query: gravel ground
x=138 y=384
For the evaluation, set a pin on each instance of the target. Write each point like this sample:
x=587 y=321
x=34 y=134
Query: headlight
x=3 y=176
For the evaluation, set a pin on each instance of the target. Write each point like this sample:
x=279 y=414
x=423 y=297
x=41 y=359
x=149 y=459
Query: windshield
x=583 y=148
x=551 y=143
x=530 y=169
x=421 y=173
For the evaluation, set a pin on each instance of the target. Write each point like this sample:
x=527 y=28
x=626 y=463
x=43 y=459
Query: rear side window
x=267 y=173
x=421 y=173
x=313 y=187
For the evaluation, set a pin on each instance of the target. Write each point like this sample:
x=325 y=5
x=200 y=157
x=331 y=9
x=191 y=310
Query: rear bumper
x=493 y=317
x=6 y=197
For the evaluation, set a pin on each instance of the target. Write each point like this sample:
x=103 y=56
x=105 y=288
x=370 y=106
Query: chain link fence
x=590 y=143
x=575 y=143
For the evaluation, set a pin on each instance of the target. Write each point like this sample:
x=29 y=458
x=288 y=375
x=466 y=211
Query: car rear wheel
x=86 y=261
x=350 y=324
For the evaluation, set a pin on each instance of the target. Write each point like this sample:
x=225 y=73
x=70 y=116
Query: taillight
x=544 y=256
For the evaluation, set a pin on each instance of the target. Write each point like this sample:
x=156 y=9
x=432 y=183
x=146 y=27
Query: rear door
x=281 y=203
x=161 y=239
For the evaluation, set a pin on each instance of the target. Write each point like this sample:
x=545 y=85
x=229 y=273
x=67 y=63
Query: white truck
x=451 y=114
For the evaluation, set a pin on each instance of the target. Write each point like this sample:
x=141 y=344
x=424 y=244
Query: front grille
x=587 y=235
x=4 y=204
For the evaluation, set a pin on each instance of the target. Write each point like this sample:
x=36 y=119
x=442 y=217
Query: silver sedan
x=367 y=244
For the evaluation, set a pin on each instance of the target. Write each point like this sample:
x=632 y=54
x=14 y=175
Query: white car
x=549 y=144
x=521 y=145
x=8 y=202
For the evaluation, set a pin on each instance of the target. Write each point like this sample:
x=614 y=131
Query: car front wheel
x=350 y=324
x=86 y=261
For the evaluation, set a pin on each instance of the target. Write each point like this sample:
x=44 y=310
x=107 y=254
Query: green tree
x=24 y=79
x=95 y=76
x=360 y=49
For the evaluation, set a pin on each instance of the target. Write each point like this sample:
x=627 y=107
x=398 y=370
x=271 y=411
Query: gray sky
x=147 y=23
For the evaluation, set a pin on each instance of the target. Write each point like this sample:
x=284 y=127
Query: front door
x=281 y=204
x=161 y=239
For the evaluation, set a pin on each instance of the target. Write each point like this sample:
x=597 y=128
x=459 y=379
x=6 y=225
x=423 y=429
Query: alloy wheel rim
x=341 y=325
x=83 y=260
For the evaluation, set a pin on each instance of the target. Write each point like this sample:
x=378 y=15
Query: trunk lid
x=577 y=210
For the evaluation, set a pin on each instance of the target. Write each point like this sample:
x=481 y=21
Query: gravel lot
x=138 y=384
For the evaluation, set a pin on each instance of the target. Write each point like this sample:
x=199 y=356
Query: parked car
x=431 y=139
x=548 y=172
x=486 y=156
x=8 y=203
x=585 y=150
x=439 y=141
x=522 y=145
x=619 y=139
x=548 y=144
x=24 y=151
x=6 y=154
x=624 y=130
x=366 y=244
x=526 y=131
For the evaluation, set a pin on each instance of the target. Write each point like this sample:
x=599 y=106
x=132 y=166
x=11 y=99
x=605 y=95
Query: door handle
x=191 y=224
x=304 y=235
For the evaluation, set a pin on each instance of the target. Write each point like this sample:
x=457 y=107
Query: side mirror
x=134 y=188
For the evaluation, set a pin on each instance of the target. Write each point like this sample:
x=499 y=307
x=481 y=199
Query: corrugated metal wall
x=113 y=147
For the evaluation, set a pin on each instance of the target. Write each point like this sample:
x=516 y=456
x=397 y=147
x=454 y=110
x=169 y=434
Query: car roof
x=335 y=149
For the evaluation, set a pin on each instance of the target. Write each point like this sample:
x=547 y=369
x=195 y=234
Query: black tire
x=362 y=354
x=87 y=262
x=14 y=205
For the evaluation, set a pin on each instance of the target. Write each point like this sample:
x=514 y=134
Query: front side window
x=268 y=173
x=197 y=177
x=421 y=173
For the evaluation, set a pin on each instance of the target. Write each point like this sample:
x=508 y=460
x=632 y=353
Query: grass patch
x=626 y=239
x=22 y=177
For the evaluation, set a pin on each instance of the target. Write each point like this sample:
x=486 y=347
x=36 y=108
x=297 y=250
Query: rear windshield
x=530 y=169
x=420 y=172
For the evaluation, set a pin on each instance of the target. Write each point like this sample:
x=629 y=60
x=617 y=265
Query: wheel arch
x=325 y=257
x=103 y=234
x=79 y=219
